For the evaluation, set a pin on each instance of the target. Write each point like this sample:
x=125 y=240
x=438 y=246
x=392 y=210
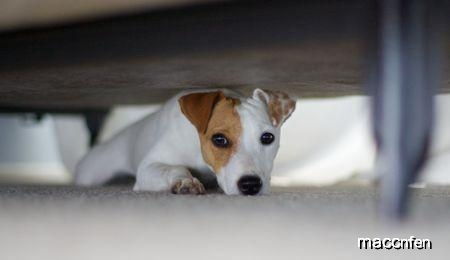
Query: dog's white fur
x=163 y=148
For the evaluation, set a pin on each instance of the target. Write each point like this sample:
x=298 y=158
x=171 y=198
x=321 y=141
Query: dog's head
x=239 y=137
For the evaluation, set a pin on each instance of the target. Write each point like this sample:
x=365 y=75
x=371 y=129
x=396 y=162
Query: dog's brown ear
x=198 y=107
x=279 y=105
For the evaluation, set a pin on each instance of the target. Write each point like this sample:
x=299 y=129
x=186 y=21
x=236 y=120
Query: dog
x=215 y=132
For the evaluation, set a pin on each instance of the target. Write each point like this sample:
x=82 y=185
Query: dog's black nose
x=249 y=184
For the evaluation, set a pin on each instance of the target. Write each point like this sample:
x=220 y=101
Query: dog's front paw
x=188 y=186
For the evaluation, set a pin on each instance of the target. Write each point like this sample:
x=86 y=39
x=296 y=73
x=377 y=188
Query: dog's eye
x=220 y=140
x=267 y=138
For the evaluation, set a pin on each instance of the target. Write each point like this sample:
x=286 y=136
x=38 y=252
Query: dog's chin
x=229 y=190
x=227 y=186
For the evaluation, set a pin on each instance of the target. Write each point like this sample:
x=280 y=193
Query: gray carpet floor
x=54 y=222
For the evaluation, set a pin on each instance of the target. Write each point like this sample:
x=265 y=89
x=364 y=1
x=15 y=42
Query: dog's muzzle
x=250 y=184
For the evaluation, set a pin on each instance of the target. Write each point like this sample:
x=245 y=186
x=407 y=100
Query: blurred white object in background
x=327 y=141
x=29 y=151
x=123 y=116
x=73 y=139
x=437 y=170
x=324 y=142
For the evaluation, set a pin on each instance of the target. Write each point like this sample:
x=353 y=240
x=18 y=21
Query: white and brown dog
x=211 y=132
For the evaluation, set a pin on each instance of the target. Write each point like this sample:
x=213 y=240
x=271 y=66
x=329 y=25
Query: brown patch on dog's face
x=198 y=107
x=224 y=121
x=213 y=113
